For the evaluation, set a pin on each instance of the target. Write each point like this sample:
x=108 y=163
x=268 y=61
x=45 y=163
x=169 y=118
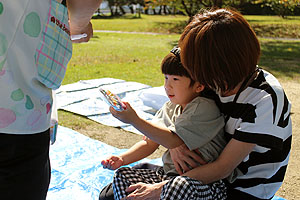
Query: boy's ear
x=199 y=87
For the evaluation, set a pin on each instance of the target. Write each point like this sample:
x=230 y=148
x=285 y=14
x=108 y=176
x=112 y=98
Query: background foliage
x=191 y=7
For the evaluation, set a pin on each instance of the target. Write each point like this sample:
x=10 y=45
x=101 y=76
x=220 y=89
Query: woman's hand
x=182 y=157
x=80 y=14
x=127 y=115
x=88 y=30
x=143 y=191
x=112 y=163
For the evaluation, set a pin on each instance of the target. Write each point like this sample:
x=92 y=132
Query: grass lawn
x=132 y=57
x=137 y=57
x=281 y=58
x=264 y=26
x=147 y=23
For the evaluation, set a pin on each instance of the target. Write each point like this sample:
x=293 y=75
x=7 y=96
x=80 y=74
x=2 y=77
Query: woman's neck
x=231 y=92
x=237 y=88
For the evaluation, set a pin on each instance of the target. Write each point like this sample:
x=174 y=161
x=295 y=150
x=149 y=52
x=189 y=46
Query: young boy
x=187 y=118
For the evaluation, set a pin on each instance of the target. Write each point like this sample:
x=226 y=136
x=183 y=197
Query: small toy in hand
x=113 y=100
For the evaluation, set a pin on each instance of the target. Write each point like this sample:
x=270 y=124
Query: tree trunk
x=122 y=10
x=116 y=11
x=154 y=11
x=131 y=9
x=160 y=9
x=186 y=9
x=165 y=9
x=218 y=3
x=111 y=11
x=146 y=11
x=174 y=10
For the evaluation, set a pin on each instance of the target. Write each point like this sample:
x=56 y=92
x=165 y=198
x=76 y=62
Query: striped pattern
x=261 y=115
x=55 y=49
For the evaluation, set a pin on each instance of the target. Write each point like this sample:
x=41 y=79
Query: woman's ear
x=199 y=87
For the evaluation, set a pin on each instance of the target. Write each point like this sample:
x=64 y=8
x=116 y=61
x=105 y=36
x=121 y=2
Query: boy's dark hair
x=171 y=65
x=219 y=49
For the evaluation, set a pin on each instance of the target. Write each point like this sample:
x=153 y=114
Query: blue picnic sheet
x=76 y=172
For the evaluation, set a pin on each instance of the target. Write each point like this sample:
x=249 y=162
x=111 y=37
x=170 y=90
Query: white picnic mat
x=84 y=98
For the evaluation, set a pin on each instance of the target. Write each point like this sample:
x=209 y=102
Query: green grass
x=147 y=23
x=261 y=19
x=131 y=57
x=264 y=26
x=137 y=57
x=281 y=57
x=275 y=26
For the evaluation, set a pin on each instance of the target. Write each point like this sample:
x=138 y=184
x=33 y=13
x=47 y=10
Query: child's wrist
x=136 y=120
x=122 y=159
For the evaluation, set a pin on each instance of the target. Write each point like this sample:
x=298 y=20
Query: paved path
x=151 y=33
x=133 y=32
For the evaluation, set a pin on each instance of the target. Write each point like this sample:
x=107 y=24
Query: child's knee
x=121 y=171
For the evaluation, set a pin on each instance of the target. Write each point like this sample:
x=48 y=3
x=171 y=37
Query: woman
x=221 y=51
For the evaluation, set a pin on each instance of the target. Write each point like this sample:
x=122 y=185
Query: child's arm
x=162 y=136
x=137 y=152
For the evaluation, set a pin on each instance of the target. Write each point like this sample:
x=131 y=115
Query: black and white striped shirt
x=261 y=115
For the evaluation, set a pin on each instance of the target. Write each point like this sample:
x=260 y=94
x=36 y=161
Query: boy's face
x=179 y=90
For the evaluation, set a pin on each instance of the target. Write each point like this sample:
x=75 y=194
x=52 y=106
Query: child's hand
x=128 y=115
x=112 y=163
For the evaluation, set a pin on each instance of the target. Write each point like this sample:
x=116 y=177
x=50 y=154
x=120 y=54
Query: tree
x=280 y=7
x=192 y=7
x=162 y=4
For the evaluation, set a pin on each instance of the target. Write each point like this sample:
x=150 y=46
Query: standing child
x=187 y=118
x=35 y=48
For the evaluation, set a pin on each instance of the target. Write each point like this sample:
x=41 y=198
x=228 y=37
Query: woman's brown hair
x=219 y=49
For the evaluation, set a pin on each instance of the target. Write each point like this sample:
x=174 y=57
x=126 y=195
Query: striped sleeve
x=266 y=119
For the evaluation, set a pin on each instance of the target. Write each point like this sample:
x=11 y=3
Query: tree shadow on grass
x=282 y=58
x=176 y=27
x=132 y=16
x=277 y=30
x=275 y=19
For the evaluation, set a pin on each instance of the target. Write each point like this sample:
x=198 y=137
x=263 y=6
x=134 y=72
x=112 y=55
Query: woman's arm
x=80 y=14
x=183 y=158
x=232 y=155
x=160 y=135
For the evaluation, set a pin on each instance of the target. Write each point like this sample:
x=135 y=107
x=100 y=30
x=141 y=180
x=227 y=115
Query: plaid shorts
x=178 y=187
x=182 y=187
x=125 y=176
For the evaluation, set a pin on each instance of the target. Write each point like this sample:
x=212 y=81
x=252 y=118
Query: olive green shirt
x=200 y=125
